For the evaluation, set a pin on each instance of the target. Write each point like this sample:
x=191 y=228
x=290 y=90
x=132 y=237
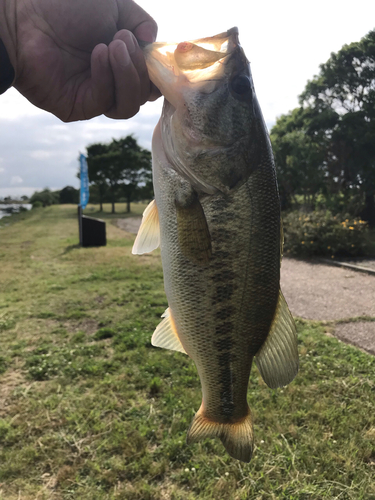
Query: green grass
x=90 y=410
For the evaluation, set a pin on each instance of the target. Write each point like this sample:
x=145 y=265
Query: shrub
x=322 y=234
x=46 y=197
x=37 y=204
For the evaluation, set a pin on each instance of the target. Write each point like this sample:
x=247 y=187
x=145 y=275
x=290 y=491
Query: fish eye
x=240 y=84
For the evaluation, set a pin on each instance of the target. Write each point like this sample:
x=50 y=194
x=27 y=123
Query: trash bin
x=93 y=232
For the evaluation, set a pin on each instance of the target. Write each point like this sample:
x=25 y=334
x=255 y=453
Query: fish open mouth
x=194 y=61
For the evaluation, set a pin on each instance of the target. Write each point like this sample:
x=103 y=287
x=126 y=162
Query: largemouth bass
x=216 y=215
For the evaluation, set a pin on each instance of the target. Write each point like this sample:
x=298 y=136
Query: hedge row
x=322 y=234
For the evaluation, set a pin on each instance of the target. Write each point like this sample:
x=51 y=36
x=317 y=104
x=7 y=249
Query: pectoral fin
x=277 y=359
x=192 y=229
x=148 y=237
x=166 y=336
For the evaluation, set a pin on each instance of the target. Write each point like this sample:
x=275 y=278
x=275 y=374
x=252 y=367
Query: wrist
x=6 y=69
x=7 y=44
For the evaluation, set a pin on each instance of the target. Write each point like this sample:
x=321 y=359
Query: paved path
x=322 y=292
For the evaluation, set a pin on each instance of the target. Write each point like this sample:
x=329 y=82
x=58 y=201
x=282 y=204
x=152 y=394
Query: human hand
x=79 y=58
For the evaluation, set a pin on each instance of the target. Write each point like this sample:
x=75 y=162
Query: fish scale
x=217 y=214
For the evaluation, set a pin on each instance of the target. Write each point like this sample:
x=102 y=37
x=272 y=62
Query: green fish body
x=216 y=215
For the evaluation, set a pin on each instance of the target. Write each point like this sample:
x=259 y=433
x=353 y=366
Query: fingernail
x=146 y=32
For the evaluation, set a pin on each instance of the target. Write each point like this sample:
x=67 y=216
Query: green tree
x=146 y=192
x=299 y=157
x=345 y=88
x=98 y=194
x=122 y=164
x=45 y=197
x=96 y=170
x=69 y=194
x=136 y=167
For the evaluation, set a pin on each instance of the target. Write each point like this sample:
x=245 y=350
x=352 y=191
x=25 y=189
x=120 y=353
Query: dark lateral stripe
x=226 y=384
x=224 y=344
x=224 y=313
x=224 y=292
x=225 y=328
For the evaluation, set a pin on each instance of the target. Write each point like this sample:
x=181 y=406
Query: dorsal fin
x=277 y=359
x=148 y=237
x=166 y=336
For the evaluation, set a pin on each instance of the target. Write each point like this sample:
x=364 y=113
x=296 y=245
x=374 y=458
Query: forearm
x=7 y=44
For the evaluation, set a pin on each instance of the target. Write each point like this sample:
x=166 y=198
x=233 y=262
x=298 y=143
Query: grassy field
x=90 y=410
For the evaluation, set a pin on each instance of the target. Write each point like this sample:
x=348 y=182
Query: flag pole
x=80 y=224
x=84 y=193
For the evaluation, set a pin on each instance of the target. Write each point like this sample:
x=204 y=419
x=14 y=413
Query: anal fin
x=166 y=336
x=277 y=359
x=148 y=237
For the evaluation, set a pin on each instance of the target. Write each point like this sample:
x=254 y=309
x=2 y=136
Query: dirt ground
x=322 y=292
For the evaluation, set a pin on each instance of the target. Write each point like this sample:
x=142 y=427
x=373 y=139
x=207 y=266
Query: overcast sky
x=285 y=41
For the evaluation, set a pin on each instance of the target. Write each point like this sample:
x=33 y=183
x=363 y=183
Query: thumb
x=133 y=18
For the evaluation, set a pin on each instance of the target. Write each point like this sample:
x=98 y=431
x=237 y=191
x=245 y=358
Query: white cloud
x=16 y=179
x=2 y=169
x=40 y=154
x=14 y=106
x=41 y=163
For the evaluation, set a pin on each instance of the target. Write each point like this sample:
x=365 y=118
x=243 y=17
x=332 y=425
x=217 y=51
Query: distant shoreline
x=8 y=209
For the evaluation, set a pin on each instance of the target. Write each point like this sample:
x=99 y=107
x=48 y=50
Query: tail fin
x=237 y=437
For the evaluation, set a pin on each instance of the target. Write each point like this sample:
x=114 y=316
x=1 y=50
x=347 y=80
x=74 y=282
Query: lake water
x=13 y=208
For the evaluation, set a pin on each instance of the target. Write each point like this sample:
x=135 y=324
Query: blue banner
x=84 y=174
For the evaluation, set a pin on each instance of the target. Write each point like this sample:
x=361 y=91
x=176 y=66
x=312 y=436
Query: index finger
x=135 y=19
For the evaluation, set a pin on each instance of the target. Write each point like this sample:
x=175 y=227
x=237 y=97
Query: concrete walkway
x=323 y=292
